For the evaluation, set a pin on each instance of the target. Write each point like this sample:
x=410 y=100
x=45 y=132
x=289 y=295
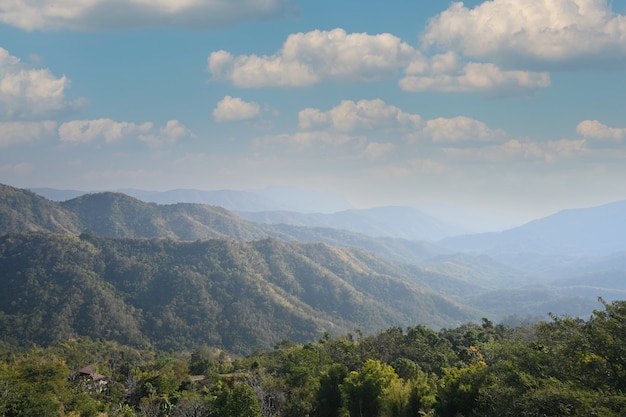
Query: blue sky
x=512 y=105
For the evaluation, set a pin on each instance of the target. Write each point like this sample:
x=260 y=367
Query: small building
x=92 y=381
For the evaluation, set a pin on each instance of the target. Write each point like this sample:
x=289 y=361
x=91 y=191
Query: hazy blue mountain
x=304 y=201
x=401 y=222
x=592 y=231
x=228 y=199
x=274 y=198
x=474 y=220
x=57 y=195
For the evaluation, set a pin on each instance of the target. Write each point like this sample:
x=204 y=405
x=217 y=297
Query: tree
x=237 y=400
x=364 y=392
x=328 y=401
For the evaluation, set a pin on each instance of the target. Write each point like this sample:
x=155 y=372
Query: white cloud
x=532 y=33
x=116 y=14
x=593 y=129
x=107 y=130
x=457 y=129
x=172 y=132
x=364 y=114
x=375 y=150
x=310 y=58
x=234 y=108
x=27 y=93
x=15 y=133
x=475 y=78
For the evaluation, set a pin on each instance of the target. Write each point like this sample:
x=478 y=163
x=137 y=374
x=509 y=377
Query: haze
x=515 y=106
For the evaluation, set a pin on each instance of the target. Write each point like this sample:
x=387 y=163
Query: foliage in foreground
x=565 y=367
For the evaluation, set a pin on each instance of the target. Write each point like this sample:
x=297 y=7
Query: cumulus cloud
x=234 y=108
x=16 y=133
x=310 y=58
x=475 y=77
x=28 y=93
x=108 y=131
x=532 y=33
x=172 y=132
x=364 y=114
x=593 y=129
x=458 y=129
x=119 y=14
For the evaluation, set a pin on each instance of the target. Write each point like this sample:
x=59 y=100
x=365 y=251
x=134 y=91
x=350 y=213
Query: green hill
x=176 y=295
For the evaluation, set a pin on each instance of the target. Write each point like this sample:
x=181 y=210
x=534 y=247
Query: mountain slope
x=118 y=215
x=240 y=296
x=23 y=210
x=589 y=231
x=52 y=290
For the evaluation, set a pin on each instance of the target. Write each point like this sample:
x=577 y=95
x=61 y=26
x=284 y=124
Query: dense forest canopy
x=563 y=367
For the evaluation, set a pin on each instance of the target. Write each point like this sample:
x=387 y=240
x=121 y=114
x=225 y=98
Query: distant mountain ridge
x=270 y=206
x=118 y=215
x=401 y=222
x=272 y=198
x=594 y=231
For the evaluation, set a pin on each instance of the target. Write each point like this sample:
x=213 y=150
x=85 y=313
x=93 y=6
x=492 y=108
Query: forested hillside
x=565 y=367
x=22 y=211
x=176 y=295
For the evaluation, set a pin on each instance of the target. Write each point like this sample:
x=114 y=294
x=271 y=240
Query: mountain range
x=271 y=198
x=558 y=264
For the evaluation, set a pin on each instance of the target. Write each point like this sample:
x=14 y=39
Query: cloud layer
x=527 y=34
x=88 y=15
x=106 y=130
x=318 y=56
x=19 y=133
x=336 y=56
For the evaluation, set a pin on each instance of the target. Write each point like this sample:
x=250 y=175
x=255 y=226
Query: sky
x=516 y=106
